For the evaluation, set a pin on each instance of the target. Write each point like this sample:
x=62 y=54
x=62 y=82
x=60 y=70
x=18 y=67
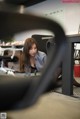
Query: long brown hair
x=27 y=46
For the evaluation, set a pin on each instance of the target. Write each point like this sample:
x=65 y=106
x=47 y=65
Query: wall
x=65 y=13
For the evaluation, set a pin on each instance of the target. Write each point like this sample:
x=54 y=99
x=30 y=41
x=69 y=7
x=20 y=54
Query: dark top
x=33 y=69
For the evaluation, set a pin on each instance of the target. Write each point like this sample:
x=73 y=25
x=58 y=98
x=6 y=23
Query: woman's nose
x=33 y=50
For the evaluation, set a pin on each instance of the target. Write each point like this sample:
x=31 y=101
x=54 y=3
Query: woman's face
x=33 y=50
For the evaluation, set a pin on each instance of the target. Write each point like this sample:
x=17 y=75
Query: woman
x=34 y=59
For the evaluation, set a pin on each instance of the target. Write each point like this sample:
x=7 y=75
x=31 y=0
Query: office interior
x=34 y=96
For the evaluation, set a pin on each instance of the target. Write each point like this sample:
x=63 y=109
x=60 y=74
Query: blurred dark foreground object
x=16 y=87
x=18 y=94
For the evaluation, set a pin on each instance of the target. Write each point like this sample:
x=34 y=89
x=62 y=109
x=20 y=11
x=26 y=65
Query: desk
x=25 y=75
x=68 y=62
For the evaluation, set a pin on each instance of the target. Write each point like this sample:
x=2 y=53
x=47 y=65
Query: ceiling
x=53 y=9
x=24 y=2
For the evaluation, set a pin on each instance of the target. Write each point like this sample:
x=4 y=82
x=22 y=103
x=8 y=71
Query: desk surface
x=17 y=76
x=27 y=75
